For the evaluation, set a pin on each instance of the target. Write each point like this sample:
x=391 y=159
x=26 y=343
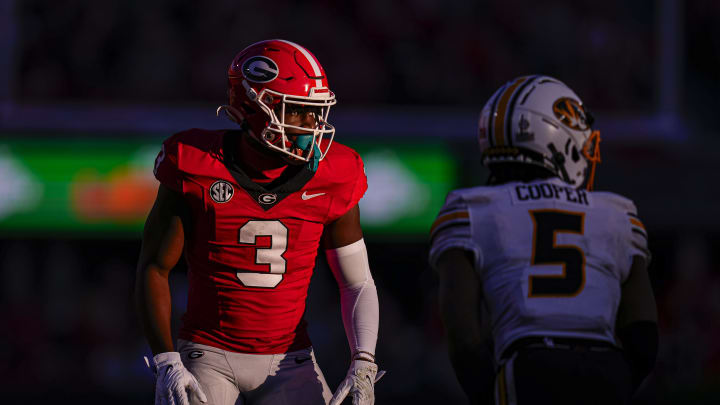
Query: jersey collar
x=265 y=195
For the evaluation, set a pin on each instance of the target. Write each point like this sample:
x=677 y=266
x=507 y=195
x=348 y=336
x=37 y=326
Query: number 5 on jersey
x=545 y=251
x=272 y=256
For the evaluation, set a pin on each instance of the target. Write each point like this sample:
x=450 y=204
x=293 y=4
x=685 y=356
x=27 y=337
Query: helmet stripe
x=495 y=97
x=313 y=62
x=501 y=112
x=511 y=108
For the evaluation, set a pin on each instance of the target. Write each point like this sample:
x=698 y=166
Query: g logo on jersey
x=267 y=198
x=571 y=113
x=195 y=354
x=221 y=191
x=260 y=69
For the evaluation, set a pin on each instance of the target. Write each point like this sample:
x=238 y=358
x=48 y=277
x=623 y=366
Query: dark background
x=403 y=71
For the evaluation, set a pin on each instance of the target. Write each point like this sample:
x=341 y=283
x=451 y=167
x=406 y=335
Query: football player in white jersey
x=544 y=290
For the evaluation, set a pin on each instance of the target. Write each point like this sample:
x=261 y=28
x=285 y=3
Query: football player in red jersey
x=250 y=208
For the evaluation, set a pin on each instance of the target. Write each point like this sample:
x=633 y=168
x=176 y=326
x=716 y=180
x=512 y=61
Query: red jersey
x=251 y=248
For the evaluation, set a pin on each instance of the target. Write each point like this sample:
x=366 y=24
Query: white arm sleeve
x=358 y=295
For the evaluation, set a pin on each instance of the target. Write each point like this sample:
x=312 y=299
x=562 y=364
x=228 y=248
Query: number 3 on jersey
x=273 y=255
x=545 y=251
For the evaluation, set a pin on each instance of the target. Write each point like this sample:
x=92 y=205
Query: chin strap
x=231 y=112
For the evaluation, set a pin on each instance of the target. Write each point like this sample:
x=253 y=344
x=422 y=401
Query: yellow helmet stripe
x=501 y=110
x=637 y=223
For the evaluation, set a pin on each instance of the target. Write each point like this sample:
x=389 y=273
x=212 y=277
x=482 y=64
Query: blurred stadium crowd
x=70 y=331
x=406 y=52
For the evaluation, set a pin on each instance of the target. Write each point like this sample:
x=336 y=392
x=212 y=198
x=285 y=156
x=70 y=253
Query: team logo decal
x=523 y=134
x=260 y=69
x=571 y=113
x=195 y=354
x=221 y=191
x=267 y=198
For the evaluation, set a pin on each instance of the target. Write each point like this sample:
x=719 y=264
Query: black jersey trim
x=446 y=226
x=291 y=181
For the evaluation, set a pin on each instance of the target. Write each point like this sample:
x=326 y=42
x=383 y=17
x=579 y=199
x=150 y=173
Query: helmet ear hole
x=247 y=109
x=575 y=154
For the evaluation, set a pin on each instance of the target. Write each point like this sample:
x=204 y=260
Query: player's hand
x=173 y=382
x=359 y=382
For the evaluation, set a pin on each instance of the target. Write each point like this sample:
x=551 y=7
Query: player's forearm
x=640 y=347
x=361 y=316
x=153 y=304
x=358 y=295
x=469 y=355
x=459 y=311
x=474 y=369
x=469 y=348
x=460 y=299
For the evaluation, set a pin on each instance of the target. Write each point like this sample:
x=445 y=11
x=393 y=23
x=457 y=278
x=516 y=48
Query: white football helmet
x=538 y=120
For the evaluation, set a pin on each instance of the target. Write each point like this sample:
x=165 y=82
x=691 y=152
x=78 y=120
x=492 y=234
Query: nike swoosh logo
x=306 y=196
x=302 y=360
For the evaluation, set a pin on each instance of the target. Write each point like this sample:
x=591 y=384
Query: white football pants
x=230 y=378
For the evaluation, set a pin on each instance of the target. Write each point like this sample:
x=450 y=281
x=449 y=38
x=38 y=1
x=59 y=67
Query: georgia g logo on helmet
x=571 y=113
x=260 y=69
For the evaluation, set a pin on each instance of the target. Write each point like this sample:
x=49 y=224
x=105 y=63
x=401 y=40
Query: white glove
x=172 y=380
x=359 y=382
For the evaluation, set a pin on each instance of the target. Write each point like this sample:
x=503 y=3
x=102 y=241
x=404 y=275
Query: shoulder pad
x=618 y=201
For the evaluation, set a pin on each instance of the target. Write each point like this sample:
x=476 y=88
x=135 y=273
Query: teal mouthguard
x=303 y=142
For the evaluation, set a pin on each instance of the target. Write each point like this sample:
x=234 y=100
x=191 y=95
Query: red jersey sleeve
x=166 y=164
x=348 y=174
x=361 y=184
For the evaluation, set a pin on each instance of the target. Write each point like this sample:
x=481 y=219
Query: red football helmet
x=271 y=78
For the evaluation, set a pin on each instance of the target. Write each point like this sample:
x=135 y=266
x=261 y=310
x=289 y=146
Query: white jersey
x=551 y=258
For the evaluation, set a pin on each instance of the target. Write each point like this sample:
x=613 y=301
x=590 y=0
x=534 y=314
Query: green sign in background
x=407 y=185
x=103 y=187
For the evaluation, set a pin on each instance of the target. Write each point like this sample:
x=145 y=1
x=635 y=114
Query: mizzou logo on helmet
x=571 y=113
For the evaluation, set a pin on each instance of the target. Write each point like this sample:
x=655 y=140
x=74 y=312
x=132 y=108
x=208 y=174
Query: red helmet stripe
x=310 y=58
